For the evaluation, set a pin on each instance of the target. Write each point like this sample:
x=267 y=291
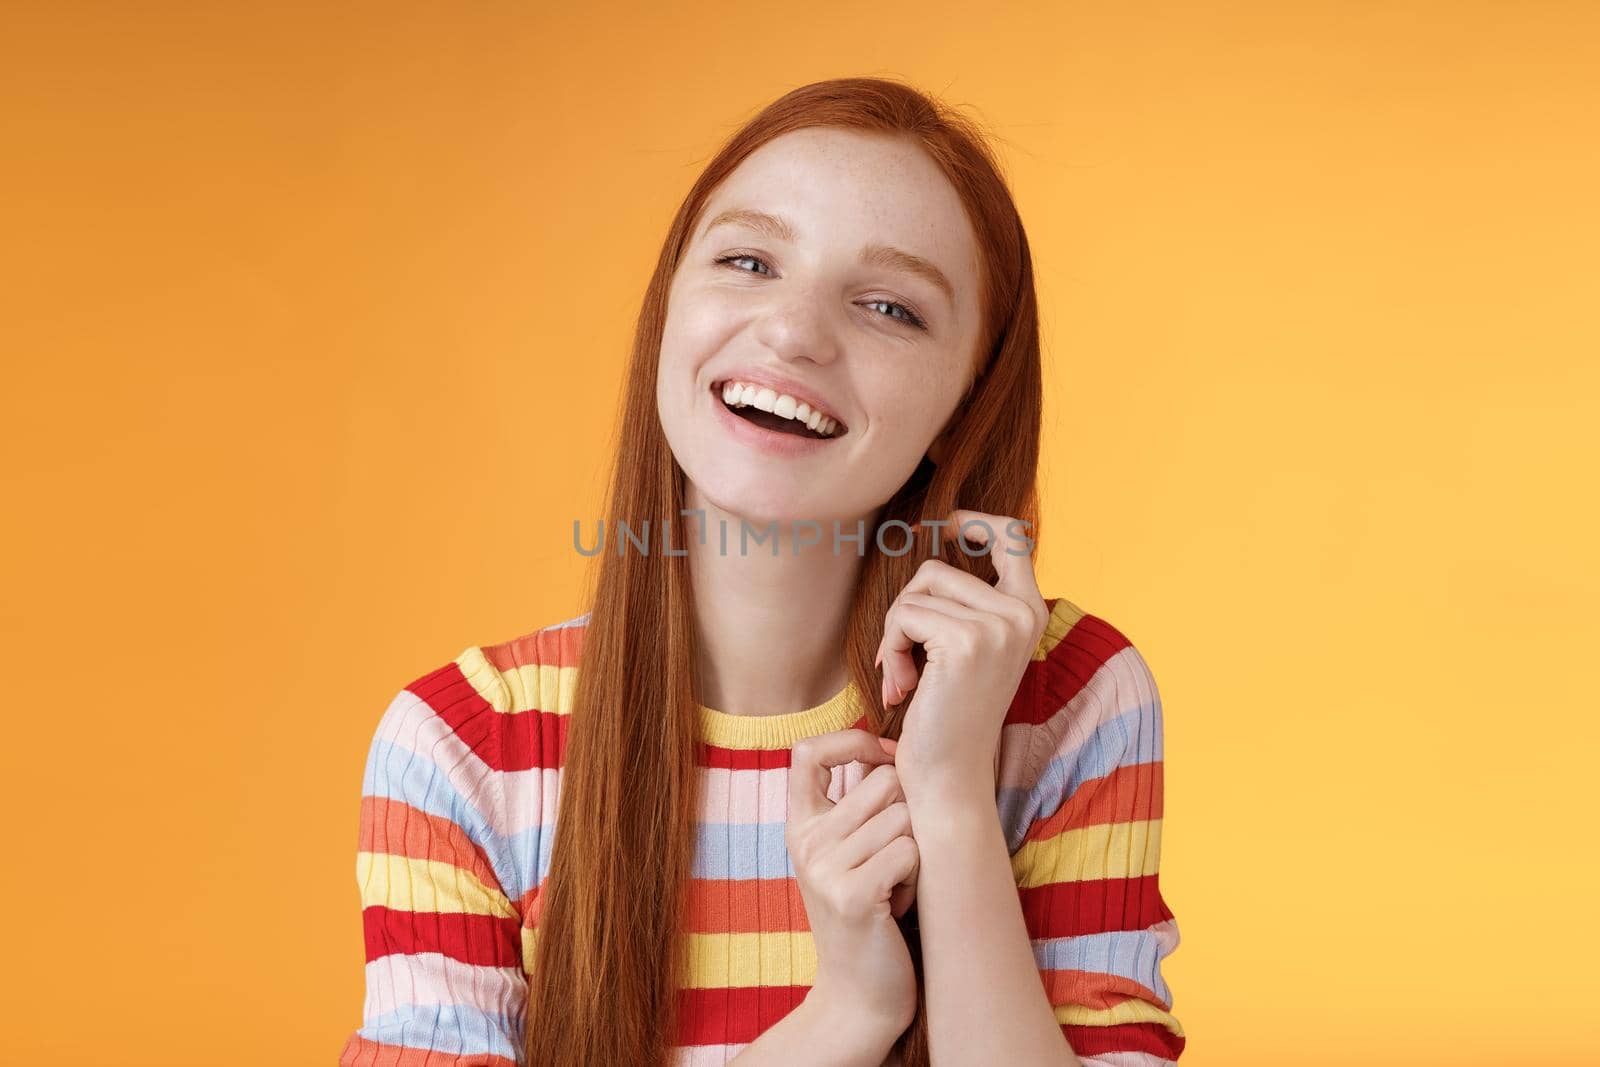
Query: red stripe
x=470 y=717
x=1048 y=685
x=733 y=1016
x=1151 y=1038
x=504 y=741
x=534 y=739
x=1071 y=909
x=488 y=940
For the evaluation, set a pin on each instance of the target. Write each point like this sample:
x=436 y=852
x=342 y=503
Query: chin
x=757 y=503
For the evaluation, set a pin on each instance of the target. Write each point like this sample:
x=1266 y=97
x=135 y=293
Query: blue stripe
x=456 y=1029
x=1131 y=954
x=1131 y=738
x=398 y=773
x=741 y=851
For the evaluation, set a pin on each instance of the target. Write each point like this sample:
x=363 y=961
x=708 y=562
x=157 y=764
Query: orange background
x=314 y=327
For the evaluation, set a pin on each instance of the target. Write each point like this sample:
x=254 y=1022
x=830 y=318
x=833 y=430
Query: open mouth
x=776 y=411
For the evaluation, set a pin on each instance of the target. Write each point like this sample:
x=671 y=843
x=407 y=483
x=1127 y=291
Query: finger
x=915 y=623
x=900 y=669
x=812 y=758
x=871 y=836
x=1013 y=566
x=895 y=863
x=902 y=896
x=905 y=891
x=877 y=790
x=939 y=578
x=1015 y=598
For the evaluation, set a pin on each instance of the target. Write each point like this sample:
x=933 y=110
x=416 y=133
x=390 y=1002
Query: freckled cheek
x=704 y=328
x=902 y=417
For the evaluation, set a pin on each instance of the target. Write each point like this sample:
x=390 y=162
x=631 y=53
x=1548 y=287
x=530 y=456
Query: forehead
x=849 y=188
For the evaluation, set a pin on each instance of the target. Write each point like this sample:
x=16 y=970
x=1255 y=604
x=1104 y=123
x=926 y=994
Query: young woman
x=615 y=840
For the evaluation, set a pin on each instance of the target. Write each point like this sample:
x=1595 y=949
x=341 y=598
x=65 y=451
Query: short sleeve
x=1085 y=825
x=445 y=984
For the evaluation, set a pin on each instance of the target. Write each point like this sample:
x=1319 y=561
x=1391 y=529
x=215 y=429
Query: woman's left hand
x=979 y=638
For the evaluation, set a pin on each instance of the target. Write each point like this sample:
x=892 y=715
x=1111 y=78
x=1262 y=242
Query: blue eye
x=910 y=317
x=738 y=256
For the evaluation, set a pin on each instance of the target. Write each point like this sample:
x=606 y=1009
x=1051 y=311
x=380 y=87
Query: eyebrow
x=877 y=255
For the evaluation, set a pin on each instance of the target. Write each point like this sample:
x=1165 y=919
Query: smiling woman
x=801 y=807
x=838 y=266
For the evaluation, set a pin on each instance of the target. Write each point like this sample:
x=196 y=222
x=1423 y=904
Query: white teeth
x=745 y=394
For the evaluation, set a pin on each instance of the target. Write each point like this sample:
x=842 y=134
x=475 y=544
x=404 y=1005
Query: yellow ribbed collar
x=726 y=730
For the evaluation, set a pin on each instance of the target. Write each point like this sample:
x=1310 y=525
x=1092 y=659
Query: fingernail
x=879 y=660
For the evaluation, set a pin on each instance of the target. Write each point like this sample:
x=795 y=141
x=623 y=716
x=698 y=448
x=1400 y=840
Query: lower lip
x=769 y=441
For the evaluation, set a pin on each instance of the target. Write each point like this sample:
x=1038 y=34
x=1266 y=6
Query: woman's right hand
x=856 y=865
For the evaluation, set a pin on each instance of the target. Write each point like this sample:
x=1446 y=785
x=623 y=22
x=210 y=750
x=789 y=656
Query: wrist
x=850 y=1015
x=951 y=794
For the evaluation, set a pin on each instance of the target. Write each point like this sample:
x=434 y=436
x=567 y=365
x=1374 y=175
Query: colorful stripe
x=457 y=819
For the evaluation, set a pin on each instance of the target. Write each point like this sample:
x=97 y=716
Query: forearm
x=818 y=1033
x=984 y=999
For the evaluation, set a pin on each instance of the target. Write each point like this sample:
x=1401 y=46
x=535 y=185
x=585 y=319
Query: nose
x=800 y=327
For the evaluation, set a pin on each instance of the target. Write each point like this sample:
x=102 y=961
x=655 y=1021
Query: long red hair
x=609 y=955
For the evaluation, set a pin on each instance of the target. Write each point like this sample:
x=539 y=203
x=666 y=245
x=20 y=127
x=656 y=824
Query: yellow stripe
x=530 y=942
x=1128 y=1011
x=544 y=686
x=749 y=959
x=1107 y=850
x=485 y=680
x=718 y=961
x=408 y=884
x=1063 y=617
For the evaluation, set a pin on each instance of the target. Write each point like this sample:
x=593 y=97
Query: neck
x=771 y=627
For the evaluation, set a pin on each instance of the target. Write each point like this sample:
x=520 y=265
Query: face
x=813 y=271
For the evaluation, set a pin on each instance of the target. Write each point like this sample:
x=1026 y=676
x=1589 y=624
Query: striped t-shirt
x=458 y=808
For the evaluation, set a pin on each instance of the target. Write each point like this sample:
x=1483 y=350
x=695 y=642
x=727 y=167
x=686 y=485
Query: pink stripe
x=747 y=797
x=1024 y=748
x=430 y=978
x=413 y=725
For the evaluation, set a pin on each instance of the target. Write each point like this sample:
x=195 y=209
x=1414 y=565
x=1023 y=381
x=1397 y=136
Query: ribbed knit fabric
x=457 y=821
